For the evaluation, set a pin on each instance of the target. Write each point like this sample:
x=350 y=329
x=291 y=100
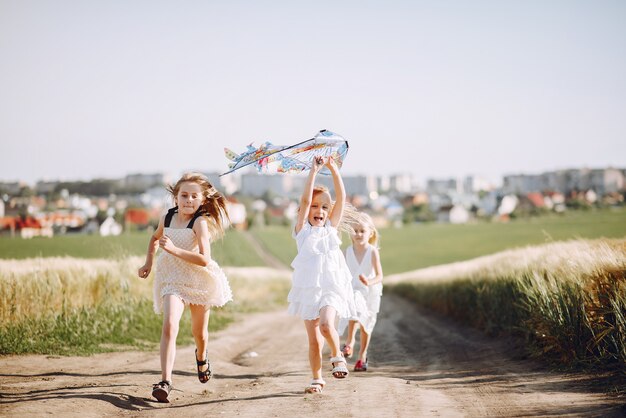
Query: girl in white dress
x=185 y=272
x=363 y=260
x=321 y=288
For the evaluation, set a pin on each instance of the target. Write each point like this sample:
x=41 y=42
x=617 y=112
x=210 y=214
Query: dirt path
x=420 y=366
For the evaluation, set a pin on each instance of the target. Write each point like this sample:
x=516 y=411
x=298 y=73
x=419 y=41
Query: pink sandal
x=346 y=350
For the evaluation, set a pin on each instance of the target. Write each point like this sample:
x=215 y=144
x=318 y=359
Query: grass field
x=83 y=306
x=566 y=300
x=233 y=250
x=402 y=249
x=422 y=245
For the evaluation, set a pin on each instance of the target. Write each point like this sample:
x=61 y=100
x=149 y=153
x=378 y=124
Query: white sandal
x=340 y=369
x=315 y=386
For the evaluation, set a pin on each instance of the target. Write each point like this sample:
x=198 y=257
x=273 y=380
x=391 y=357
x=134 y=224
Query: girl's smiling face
x=189 y=198
x=362 y=234
x=319 y=209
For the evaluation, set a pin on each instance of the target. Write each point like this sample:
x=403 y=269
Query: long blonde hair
x=213 y=205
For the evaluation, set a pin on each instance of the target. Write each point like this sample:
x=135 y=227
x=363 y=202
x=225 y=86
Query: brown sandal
x=203 y=375
x=162 y=390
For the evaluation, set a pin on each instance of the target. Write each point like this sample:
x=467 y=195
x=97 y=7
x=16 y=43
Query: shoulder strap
x=168 y=217
x=196 y=215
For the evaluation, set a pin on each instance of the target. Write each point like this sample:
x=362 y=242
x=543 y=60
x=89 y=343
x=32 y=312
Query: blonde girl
x=321 y=288
x=185 y=272
x=363 y=260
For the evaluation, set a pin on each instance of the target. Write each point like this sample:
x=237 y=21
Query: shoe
x=346 y=350
x=161 y=391
x=315 y=386
x=203 y=375
x=360 y=366
x=339 y=367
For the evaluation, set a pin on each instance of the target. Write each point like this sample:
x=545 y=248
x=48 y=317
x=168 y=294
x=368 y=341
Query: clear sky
x=434 y=88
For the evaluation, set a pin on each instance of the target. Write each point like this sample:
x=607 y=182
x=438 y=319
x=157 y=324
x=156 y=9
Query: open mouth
x=318 y=219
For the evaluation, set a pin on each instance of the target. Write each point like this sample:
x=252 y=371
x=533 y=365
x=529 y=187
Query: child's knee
x=170 y=329
x=325 y=328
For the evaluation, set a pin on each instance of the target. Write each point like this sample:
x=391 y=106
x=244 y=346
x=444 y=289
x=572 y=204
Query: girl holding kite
x=321 y=283
x=185 y=272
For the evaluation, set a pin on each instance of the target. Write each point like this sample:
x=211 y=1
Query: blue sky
x=433 y=88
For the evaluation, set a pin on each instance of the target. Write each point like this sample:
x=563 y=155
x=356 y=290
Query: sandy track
x=421 y=365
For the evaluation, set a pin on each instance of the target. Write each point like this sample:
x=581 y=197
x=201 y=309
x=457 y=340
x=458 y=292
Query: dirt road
x=420 y=366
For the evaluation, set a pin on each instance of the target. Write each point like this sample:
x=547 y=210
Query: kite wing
x=250 y=156
x=296 y=158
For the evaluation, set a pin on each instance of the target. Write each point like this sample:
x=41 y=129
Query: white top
x=192 y=283
x=321 y=276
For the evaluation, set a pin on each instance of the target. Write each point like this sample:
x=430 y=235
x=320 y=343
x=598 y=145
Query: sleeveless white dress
x=320 y=276
x=367 y=298
x=193 y=284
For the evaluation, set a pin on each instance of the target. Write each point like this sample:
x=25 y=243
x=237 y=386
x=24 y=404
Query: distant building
x=443 y=186
x=455 y=214
x=602 y=181
x=11 y=188
x=256 y=185
x=360 y=185
x=145 y=181
x=401 y=183
x=46 y=187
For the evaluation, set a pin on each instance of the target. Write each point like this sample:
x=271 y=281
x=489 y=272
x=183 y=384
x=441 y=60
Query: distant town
x=135 y=202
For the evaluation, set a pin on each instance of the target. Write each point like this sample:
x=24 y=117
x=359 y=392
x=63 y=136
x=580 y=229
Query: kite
x=270 y=158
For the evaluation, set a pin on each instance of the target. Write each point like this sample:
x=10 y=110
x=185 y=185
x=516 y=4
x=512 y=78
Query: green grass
x=422 y=245
x=233 y=250
x=107 y=327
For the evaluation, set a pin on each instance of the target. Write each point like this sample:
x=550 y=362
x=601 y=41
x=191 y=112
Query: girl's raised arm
x=340 y=193
x=307 y=193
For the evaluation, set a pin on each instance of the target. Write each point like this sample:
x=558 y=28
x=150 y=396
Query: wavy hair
x=213 y=205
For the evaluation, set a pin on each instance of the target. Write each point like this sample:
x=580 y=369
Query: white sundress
x=320 y=276
x=193 y=284
x=367 y=298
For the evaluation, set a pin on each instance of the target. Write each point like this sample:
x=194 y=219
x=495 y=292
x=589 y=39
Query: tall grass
x=77 y=306
x=566 y=299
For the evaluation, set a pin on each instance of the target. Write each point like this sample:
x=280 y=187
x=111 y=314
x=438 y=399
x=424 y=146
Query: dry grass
x=55 y=304
x=567 y=299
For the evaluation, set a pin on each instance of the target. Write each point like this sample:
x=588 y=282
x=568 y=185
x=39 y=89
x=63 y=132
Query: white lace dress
x=367 y=298
x=193 y=284
x=320 y=276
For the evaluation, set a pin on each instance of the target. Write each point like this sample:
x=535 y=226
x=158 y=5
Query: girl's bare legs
x=316 y=344
x=173 y=309
x=200 y=330
x=365 y=342
x=327 y=328
x=351 y=338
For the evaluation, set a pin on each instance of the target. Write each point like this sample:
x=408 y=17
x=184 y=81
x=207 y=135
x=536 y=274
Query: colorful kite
x=269 y=158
